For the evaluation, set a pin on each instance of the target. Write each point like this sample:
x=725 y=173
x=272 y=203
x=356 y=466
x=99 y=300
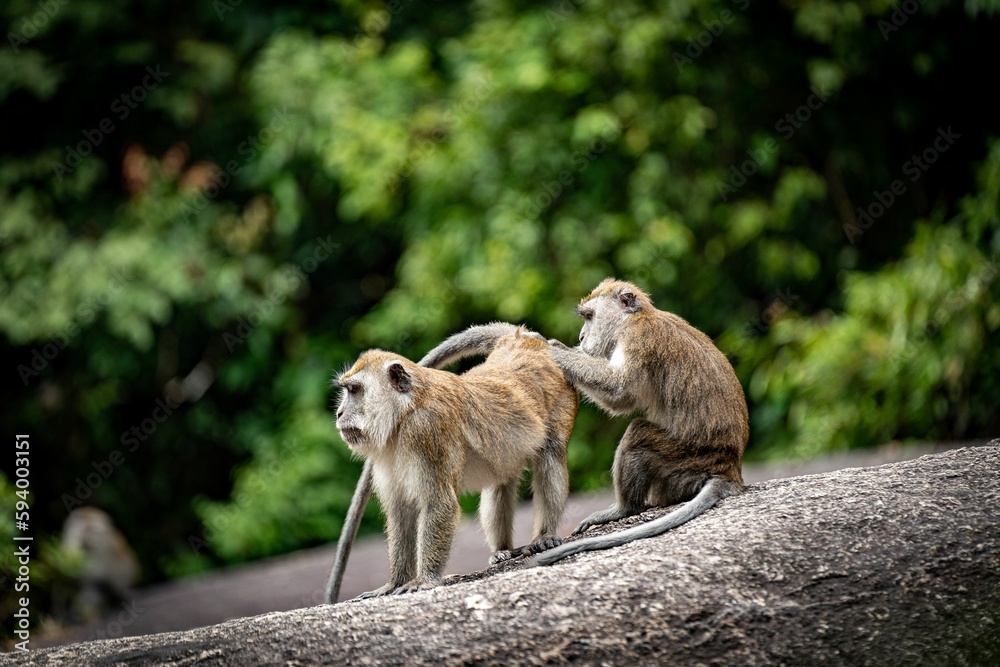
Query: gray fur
x=348 y=532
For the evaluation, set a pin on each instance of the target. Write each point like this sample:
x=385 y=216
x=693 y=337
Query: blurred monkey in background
x=109 y=567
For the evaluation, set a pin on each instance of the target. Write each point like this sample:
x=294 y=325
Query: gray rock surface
x=894 y=565
x=294 y=581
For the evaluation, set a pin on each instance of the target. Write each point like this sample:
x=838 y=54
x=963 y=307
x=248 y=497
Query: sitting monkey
x=689 y=445
x=109 y=567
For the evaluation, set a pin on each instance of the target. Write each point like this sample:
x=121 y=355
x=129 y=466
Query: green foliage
x=303 y=182
x=282 y=497
x=912 y=355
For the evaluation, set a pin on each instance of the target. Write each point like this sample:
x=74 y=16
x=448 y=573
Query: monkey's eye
x=352 y=388
x=587 y=315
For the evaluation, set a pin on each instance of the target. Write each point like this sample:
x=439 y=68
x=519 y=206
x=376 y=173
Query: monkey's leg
x=550 y=484
x=436 y=529
x=90 y=601
x=496 y=514
x=401 y=524
x=639 y=464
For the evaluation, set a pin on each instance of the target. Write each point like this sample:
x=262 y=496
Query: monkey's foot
x=504 y=556
x=602 y=517
x=377 y=593
x=541 y=544
x=414 y=585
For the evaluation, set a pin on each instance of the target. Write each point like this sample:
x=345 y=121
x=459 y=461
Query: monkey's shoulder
x=425 y=436
x=671 y=336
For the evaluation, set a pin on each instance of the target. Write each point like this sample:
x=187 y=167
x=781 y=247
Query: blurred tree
x=158 y=275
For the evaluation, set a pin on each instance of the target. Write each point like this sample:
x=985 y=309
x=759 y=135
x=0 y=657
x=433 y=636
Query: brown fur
x=430 y=435
x=701 y=408
x=635 y=358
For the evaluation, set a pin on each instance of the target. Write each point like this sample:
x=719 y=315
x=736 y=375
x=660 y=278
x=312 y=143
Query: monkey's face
x=375 y=394
x=603 y=312
x=601 y=321
x=84 y=527
x=105 y=556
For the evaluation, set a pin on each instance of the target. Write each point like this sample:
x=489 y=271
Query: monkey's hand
x=551 y=341
x=417 y=584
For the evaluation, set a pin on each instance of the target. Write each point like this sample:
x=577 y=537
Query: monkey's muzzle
x=352 y=436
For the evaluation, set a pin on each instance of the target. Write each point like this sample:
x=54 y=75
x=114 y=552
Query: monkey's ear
x=399 y=378
x=627 y=297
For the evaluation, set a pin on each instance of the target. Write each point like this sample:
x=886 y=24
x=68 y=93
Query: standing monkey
x=633 y=357
x=428 y=435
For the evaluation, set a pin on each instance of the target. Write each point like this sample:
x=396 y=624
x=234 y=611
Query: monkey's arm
x=436 y=527
x=603 y=383
x=349 y=531
x=402 y=517
x=403 y=556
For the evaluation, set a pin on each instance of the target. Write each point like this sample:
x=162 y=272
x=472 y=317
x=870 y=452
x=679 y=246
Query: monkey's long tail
x=714 y=490
x=362 y=492
x=478 y=339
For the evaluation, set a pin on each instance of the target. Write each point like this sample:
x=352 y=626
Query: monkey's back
x=525 y=370
x=702 y=399
x=518 y=388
